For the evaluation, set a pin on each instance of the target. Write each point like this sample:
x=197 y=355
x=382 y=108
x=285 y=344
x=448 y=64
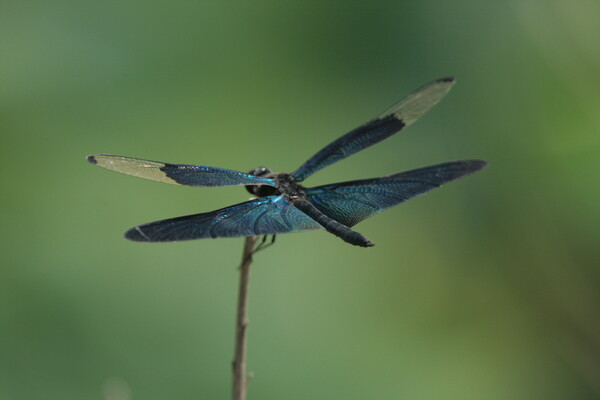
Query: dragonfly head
x=261 y=171
x=261 y=190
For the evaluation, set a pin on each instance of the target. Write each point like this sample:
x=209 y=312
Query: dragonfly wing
x=264 y=216
x=393 y=120
x=178 y=174
x=352 y=202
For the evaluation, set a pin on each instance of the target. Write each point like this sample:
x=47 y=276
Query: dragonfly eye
x=261 y=190
x=261 y=171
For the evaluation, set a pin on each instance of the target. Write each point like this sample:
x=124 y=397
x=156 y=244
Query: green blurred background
x=486 y=289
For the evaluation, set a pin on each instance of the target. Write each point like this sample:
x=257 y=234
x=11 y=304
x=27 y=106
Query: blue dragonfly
x=282 y=204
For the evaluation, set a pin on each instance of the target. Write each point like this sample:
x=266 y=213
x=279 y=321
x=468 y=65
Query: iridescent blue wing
x=264 y=216
x=351 y=202
x=392 y=120
x=178 y=174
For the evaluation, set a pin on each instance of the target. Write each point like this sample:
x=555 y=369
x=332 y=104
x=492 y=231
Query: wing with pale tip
x=178 y=174
x=393 y=120
x=351 y=202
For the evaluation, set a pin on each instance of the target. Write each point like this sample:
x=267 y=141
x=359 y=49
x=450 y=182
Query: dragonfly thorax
x=286 y=184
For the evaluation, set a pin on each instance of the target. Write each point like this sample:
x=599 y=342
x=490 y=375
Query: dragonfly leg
x=263 y=243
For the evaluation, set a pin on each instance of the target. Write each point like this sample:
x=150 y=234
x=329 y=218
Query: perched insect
x=282 y=204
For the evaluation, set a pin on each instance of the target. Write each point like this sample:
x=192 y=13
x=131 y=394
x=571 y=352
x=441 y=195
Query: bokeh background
x=486 y=289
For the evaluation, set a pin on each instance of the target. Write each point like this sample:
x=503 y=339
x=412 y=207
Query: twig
x=239 y=360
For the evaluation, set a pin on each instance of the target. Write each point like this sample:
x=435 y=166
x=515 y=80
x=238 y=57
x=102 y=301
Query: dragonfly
x=281 y=204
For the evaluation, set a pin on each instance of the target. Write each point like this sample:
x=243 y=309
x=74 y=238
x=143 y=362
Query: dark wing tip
x=136 y=235
x=447 y=79
x=92 y=159
x=474 y=165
